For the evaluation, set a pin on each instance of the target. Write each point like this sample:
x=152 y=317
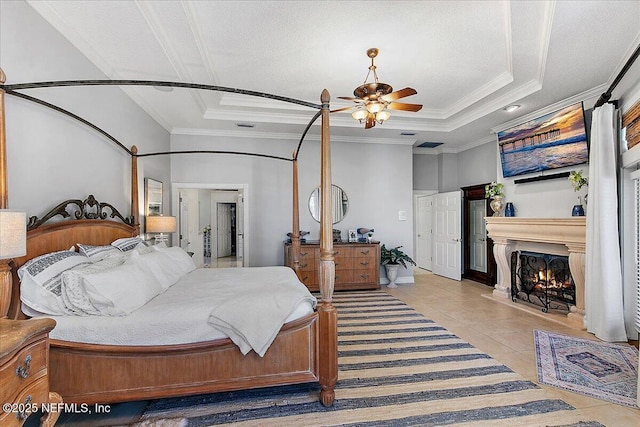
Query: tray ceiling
x=466 y=59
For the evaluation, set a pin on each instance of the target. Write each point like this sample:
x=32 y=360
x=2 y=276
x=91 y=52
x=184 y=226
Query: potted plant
x=578 y=181
x=392 y=259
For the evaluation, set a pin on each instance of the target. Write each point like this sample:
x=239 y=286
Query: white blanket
x=253 y=323
x=179 y=315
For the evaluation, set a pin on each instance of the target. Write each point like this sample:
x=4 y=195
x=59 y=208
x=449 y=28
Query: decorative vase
x=509 y=210
x=497 y=203
x=392 y=274
x=577 y=210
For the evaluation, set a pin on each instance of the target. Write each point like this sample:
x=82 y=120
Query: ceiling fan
x=374 y=99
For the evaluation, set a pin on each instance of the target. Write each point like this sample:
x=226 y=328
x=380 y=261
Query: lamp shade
x=161 y=224
x=13 y=233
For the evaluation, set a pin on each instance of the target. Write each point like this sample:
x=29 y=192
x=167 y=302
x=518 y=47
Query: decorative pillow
x=96 y=253
x=73 y=292
x=142 y=248
x=160 y=265
x=182 y=259
x=41 y=281
x=121 y=290
x=127 y=243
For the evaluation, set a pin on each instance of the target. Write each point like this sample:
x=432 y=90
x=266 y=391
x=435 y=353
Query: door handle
x=456 y=240
x=482 y=240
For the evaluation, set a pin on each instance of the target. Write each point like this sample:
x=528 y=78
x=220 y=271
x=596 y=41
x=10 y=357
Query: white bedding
x=181 y=314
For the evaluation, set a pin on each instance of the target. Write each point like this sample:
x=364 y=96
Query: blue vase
x=578 y=210
x=509 y=210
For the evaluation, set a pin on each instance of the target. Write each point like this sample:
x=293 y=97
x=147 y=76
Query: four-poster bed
x=305 y=350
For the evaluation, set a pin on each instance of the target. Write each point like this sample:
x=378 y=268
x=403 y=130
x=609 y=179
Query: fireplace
x=543 y=280
x=556 y=236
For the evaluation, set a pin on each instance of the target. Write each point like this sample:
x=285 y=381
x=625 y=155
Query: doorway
x=423 y=217
x=213 y=222
x=479 y=262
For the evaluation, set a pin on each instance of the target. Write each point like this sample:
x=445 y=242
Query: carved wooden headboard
x=86 y=221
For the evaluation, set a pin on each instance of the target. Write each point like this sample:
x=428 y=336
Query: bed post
x=5 y=269
x=134 y=189
x=4 y=196
x=328 y=320
x=295 y=231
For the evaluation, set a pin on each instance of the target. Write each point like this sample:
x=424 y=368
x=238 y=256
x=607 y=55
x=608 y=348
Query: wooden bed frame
x=305 y=350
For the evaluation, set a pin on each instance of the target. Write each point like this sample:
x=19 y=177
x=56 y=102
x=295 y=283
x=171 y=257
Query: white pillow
x=182 y=259
x=163 y=268
x=96 y=253
x=41 y=281
x=120 y=290
x=127 y=243
x=73 y=292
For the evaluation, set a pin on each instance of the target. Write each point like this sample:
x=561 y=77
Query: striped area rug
x=396 y=368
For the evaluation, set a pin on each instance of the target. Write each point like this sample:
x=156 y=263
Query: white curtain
x=603 y=272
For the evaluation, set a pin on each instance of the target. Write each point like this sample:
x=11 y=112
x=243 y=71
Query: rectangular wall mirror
x=152 y=197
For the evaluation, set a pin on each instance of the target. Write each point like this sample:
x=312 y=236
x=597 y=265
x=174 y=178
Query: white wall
x=376 y=192
x=51 y=157
x=425 y=172
x=477 y=165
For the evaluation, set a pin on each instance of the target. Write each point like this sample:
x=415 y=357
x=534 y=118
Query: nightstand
x=24 y=366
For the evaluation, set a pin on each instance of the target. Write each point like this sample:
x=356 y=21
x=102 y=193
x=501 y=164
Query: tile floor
x=504 y=332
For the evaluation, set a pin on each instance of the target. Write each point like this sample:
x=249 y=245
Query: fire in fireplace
x=543 y=280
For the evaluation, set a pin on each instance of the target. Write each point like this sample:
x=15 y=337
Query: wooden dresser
x=24 y=371
x=357 y=265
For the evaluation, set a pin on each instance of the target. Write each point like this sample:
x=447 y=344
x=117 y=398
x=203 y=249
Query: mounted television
x=555 y=140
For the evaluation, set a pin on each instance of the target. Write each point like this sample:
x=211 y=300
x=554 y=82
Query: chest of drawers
x=357 y=265
x=24 y=364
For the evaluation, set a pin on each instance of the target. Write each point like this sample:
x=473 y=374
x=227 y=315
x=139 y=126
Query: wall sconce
x=13 y=244
x=161 y=224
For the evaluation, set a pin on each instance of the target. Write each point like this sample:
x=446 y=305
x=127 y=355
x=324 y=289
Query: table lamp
x=161 y=224
x=13 y=244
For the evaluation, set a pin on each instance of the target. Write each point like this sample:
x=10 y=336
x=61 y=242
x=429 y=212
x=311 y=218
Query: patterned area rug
x=395 y=368
x=597 y=369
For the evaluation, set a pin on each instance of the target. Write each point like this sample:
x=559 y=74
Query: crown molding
x=286 y=136
x=581 y=97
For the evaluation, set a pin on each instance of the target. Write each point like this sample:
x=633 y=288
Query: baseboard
x=400 y=280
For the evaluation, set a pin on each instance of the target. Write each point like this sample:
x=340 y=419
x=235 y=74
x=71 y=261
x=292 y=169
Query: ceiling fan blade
x=371 y=121
x=349 y=98
x=407 y=91
x=342 y=109
x=404 y=107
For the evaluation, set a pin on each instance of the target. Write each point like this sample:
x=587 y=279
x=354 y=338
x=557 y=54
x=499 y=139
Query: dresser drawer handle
x=335 y=253
x=303 y=265
x=365 y=252
x=364 y=276
x=304 y=253
x=23 y=372
x=364 y=263
x=24 y=412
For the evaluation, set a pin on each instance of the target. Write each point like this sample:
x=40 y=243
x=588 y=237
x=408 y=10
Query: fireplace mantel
x=565 y=234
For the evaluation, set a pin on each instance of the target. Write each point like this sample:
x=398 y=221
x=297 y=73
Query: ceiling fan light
x=383 y=115
x=375 y=107
x=359 y=115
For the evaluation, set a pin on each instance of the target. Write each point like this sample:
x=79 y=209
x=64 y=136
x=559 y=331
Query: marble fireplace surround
x=555 y=236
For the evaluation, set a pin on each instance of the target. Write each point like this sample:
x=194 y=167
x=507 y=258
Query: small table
x=24 y=371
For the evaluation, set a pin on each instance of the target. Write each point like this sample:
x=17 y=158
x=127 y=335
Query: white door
x=240 y=229
x=447 y=254
x=184 y=221
x=224 y=229
x=424 y=239
x=478 y=231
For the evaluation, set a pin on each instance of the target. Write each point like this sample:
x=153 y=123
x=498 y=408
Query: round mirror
x=339 y=203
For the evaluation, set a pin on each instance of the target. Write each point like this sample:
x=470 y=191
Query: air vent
x=246 y=125
x=407 y=133
x=430 y=144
